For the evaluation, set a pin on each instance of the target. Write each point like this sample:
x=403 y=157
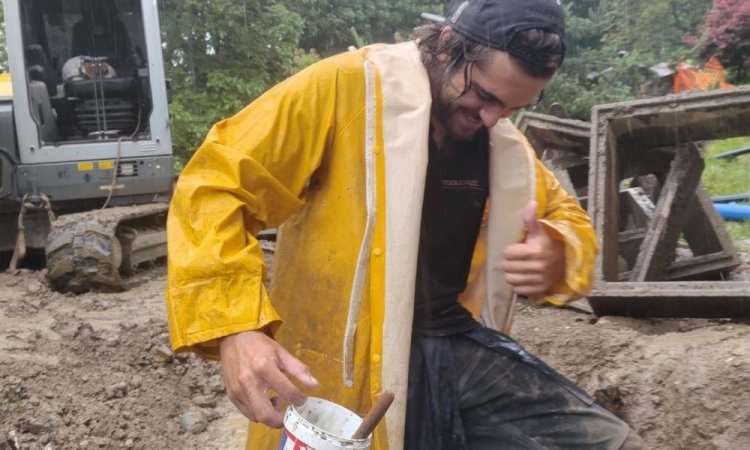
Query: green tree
x=219 y=56
x=613 y=43
x=655 y=28
x=328 y=24
x=591 y=71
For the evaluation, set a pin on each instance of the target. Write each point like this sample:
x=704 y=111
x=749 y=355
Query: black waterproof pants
x=481 y=390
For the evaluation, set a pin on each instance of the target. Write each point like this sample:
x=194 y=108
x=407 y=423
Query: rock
x=204 y=401
x=162 y=354
x=216 y=385
x=135 y=382
x=194 y=422
x=117 y=390
x=102 y=442
x=42 y=423
x=13 y=390
x=120 y=435
x=611 y=398
x=12 y=440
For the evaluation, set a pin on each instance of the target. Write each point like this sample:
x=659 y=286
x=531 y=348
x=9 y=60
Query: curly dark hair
x=465 y=52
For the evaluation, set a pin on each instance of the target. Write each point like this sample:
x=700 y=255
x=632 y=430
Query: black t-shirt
x=456 y=191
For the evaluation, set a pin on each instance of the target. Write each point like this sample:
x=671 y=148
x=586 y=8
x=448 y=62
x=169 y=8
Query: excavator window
x=86 y=68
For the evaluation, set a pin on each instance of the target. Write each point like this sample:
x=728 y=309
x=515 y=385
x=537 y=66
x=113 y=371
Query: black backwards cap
x=496 y=23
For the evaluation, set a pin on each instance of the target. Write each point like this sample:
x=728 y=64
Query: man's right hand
x=251 y=364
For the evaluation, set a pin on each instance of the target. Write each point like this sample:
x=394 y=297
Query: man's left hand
x=534 y=266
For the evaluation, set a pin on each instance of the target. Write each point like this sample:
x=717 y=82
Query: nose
x=490 y=114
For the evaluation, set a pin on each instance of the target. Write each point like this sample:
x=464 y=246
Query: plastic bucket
x=321 y=425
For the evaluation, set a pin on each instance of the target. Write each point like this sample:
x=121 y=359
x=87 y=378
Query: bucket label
x=289 y=442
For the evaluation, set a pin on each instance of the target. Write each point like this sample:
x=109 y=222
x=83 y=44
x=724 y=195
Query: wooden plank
x=563 y=159
x=705 y=231
x=672 y=299
x=603 y=199
x=545 y=130
x=671 y=210
x=636 y=208
x=562 y=175
x=677 y=119
x=704 y=267
x=629 y=245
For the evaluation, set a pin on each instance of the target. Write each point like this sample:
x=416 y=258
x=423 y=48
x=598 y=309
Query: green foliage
x=727 y=177
x=220 y=55
x=739 y=231
x=612 y=44
x=726 y=145
x=303 y=58
x=653 y=27
x=328 y=24
x=723 y=177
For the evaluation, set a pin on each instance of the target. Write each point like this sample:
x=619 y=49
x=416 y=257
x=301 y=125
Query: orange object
x=711 y=76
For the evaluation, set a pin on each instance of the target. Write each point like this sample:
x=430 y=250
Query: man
x=413 y=212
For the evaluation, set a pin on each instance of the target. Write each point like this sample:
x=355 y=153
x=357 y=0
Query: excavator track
x=100 y=249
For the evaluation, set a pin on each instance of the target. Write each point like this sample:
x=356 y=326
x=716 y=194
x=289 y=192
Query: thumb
x=533 y=227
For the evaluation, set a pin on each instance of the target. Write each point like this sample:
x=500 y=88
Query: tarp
x=711 y=76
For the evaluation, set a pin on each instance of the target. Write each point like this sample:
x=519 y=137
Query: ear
x=445 y=34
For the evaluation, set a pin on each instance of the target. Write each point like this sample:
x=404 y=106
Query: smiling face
x=498 y=87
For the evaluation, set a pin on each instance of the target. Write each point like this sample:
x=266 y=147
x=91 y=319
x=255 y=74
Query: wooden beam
x=671 y=211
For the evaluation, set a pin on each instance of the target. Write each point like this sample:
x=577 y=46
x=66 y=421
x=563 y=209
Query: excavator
x=86 y=166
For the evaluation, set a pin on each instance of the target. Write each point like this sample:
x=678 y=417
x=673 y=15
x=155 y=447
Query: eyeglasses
x=488 y=97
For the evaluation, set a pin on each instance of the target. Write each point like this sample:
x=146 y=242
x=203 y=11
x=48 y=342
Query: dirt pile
x=95 y=371
x=682 y=384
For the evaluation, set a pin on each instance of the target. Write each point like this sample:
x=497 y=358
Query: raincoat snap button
x=377 y=251
x=375 y=359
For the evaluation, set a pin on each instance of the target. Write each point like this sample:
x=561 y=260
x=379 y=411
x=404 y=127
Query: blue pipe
x=733 y=211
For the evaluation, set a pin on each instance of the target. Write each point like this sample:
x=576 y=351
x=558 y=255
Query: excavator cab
x=89 y=98
x=87 y=67
x=86 y=125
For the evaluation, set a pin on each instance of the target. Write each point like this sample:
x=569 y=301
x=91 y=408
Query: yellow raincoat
x=338 y=153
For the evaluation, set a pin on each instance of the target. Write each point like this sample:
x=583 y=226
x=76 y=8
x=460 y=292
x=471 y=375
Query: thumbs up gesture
x=534 y=266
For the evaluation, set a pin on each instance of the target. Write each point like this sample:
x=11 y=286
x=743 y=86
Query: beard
x=459 y=122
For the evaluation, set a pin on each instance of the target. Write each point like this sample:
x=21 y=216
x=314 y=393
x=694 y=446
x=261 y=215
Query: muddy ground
x=95 y=371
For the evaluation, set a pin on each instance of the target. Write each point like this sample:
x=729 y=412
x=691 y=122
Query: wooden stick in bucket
x=373 y=417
